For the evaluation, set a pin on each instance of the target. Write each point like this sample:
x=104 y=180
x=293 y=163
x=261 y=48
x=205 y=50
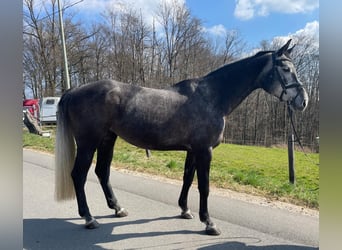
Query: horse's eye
x=286 y=69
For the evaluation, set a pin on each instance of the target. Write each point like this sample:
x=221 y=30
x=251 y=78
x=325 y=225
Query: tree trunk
x=32 y=124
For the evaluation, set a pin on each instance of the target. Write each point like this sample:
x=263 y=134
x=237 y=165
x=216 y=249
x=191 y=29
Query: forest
x=123 y=46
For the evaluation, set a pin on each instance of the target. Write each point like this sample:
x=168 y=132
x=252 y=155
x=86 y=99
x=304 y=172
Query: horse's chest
x=209 y=131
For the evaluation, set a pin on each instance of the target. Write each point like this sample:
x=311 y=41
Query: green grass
x=257 y=170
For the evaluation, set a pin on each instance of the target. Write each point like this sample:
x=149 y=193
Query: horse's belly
x=172 y=135
x=152 y=137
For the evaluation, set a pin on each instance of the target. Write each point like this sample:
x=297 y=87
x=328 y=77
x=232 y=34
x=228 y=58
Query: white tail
x=64 y=156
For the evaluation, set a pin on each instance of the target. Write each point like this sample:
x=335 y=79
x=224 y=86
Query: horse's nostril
x=304 y=104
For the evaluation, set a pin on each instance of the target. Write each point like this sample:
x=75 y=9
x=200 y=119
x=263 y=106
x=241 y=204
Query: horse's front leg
x=189 y=172
x=203 y=160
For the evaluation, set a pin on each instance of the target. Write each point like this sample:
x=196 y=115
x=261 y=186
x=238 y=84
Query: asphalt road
x=153 y=221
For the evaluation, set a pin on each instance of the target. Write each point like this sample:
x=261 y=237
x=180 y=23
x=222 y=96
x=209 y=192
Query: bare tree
x=179 y=29
x=42 y=36
x=98 y=46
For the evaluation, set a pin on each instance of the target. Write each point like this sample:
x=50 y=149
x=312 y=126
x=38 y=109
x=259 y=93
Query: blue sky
x=254 y=20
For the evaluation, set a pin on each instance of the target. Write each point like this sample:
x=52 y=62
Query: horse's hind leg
x=189 y=172
x=102 y=170
x=79 y=175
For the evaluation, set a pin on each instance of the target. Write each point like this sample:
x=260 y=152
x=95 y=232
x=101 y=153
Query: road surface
x=153 y=221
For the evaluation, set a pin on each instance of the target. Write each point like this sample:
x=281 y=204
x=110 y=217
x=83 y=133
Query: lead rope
x=290 y=112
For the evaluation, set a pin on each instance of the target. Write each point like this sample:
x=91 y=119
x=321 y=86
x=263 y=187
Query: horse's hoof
x=92 y=224
x=121 y=213
x=212 y=230
x=187 y=214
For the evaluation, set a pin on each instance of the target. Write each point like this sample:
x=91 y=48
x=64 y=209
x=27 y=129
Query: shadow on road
x=69 y=233
x=65 y=234
x=242 y=246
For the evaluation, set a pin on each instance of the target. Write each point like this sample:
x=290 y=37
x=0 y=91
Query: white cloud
x=244 y=9
x=216 y=30
x=310 y=31
x=247 y=9
x=146 y=7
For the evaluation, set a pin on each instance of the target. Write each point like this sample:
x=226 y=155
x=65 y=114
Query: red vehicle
x=32 y=106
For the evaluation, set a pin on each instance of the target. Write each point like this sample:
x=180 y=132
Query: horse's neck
x=232 y=83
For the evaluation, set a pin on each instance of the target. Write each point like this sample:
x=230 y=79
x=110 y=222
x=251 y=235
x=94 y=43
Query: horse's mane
x=260 y=53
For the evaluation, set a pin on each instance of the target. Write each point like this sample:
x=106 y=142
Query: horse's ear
x=283 y=49
x=290 y=49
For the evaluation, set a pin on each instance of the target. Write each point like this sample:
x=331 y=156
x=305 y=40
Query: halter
x=275 y=71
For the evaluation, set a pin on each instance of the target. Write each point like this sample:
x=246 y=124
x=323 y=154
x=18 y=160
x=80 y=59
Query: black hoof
x=121 y=213
x=92 y=224
x=187 y=214
x=212 y=230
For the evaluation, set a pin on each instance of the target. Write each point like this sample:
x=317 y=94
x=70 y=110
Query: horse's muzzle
x=300 y=101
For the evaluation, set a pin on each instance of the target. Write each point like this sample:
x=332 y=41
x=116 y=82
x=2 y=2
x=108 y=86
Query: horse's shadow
x=66 y=234
x=243 y=246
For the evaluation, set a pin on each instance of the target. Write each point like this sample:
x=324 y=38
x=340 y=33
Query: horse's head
x=282 y=81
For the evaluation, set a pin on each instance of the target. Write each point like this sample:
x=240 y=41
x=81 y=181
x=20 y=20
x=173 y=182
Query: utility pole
x=65 y=59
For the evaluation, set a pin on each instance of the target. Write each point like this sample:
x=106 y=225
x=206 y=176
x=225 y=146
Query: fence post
x=148 y=153
x=292 y=177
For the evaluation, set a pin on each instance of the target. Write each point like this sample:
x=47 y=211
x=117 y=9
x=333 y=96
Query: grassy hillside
x=257 y=170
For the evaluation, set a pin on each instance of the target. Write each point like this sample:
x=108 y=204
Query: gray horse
x=189 y=116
